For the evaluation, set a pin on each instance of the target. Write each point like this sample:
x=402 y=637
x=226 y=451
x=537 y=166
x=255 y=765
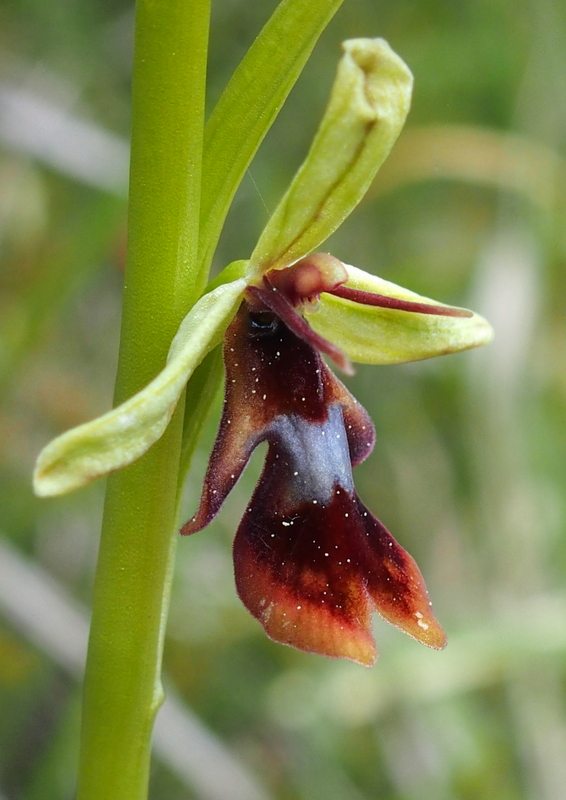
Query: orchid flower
x=311 y=561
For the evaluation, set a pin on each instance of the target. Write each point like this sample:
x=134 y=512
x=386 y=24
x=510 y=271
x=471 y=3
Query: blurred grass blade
x=250 y=103
x=52 y=133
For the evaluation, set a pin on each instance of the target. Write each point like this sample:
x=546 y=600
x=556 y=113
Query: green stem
x=122 y=684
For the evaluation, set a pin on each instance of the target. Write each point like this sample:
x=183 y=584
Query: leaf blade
x=241 y=118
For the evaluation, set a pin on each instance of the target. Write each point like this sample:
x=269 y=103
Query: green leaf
x=122 y=435
x=250 y=103
x=374 y=335
x=369 y=103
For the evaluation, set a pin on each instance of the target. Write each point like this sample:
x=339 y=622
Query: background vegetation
x=469 y=467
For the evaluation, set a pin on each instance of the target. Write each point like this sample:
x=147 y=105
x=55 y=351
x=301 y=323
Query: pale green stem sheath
x=122 y=684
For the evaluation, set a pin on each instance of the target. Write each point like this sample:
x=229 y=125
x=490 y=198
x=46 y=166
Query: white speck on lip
x=295 y=473
x=264 y=396
x=422 y=624
x=299 y=608
x=286 y=524
x=314 y=502
x=326 y=554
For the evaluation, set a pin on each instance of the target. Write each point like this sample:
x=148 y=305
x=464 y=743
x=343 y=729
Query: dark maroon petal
x=271 y=297
x=232 y=449
x=385 y=301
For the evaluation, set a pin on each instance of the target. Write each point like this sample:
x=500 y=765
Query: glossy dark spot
x=263 y=323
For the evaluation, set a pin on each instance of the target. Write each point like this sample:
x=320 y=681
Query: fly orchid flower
x=311 y=561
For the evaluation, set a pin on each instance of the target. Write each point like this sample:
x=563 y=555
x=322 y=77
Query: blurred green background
x=469 y=467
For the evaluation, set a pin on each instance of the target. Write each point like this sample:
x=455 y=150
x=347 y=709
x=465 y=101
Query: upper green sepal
x=374 y=335
x=124 y=434
x=370 y=100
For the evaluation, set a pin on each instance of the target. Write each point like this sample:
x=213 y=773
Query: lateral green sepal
x=122 y=435
x=375 y=335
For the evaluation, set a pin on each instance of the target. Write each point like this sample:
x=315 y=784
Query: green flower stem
x=122 y=684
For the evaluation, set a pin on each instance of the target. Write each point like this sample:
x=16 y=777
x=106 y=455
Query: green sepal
x=122 y=435
x=375 y=335
x=367 y=108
